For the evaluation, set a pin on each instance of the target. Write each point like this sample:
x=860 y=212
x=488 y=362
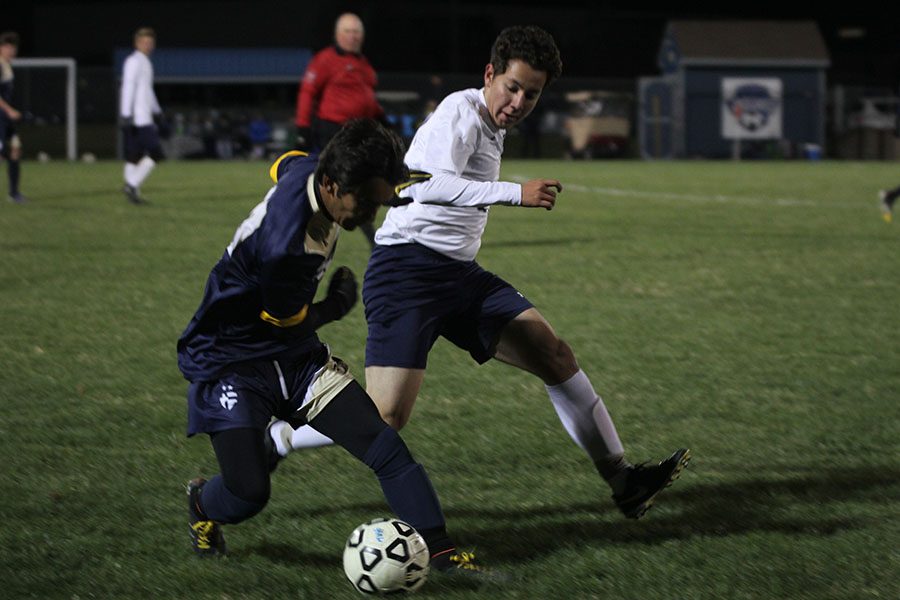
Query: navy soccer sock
x=352 y=421
x=244 y=466
x=13 y=171
x=221 y=506
x=404 y=482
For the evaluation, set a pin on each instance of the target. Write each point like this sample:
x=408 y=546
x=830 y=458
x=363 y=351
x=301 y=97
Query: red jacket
x=340 y=86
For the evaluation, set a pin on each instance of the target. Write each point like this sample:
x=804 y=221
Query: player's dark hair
x=362 y=150
x=9 y=37
x=145 y=32
x=530 y=44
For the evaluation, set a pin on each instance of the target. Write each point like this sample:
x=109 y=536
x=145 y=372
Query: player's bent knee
x=395 y=418
x=247 y=509
x=561 y=363
x=231 y=506
x=257 y=493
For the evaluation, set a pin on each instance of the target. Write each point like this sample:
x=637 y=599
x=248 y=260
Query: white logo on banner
x=751 y=108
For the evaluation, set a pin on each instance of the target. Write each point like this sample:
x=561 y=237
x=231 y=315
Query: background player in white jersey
x=423 y=282
x=10 y=144
x=137 y=109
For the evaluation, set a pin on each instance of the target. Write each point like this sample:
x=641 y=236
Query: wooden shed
x=728 y=83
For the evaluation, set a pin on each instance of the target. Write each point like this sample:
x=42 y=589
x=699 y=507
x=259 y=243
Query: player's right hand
x=303 y=142
x=540 y=193
x=342 y=291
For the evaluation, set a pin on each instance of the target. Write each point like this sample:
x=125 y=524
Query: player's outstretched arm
x=540 y=193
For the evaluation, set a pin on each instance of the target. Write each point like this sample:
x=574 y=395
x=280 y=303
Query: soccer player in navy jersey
x=10 y=143
x=423 y=282
x=251 y=351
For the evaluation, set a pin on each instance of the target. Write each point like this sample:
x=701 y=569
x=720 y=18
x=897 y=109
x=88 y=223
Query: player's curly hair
x=528 y=43
x=362 y=150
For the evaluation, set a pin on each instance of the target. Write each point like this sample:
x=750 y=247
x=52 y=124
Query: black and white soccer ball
x=385 y=556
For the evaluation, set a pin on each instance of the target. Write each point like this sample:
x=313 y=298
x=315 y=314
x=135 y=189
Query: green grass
x=749 y=311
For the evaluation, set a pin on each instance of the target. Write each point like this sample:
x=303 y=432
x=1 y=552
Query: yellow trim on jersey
x=273 y=170
x=414 y=177
x=287 y=322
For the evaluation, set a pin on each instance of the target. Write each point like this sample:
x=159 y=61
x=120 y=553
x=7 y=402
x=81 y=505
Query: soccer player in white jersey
x=138 y=108
x=422 y=281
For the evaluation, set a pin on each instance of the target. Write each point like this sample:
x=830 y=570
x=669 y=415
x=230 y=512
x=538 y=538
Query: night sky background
x=615 y=40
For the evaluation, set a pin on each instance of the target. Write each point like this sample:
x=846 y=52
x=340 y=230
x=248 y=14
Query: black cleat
x=17 y=198
x=206 y=535
x=645 y=482
x=133 y=195
x=462 y=565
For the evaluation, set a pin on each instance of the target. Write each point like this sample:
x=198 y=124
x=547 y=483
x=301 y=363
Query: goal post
x=70 y=95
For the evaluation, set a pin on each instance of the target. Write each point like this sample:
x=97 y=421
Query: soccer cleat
x=17 y=198
x=133 y=195
x=206 y=535
x=463 y=565
x=887 y=209
x=645 y=482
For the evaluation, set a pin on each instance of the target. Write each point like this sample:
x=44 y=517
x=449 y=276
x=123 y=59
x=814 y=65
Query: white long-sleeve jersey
x=137 y=100
x=461 y=150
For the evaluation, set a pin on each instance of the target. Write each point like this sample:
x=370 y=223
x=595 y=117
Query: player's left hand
x=343 y=291
x=540 y=193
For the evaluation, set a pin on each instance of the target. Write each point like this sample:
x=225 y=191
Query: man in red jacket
x=339 y=85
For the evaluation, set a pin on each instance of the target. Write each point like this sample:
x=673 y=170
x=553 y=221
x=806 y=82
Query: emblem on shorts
x=229 y=397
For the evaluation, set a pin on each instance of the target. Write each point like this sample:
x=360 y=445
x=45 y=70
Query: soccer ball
x=384 y=556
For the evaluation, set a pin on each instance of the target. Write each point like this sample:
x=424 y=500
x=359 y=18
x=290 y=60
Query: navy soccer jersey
x=258 y=294
x=6 y=82
x=6 y=93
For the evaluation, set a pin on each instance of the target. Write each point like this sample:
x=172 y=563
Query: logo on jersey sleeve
x=321 y=235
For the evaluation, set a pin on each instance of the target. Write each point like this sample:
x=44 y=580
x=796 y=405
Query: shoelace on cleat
x=466 y=560
x=203 y=530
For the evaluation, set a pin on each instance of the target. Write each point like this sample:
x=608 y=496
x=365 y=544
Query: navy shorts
x=413 y=295
x=141 y=142
x=249 y=395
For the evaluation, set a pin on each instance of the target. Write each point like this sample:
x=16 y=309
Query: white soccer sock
x=142 y=169
x=130 y=176
x=287 y=439
x=281 y=432
x=307 y=437
x=586 y=419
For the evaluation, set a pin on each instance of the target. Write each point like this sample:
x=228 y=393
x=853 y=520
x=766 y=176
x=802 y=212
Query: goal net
x=44 y=92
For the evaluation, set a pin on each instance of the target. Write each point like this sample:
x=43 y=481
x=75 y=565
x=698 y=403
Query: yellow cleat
x=887 y=208
x=206 y=535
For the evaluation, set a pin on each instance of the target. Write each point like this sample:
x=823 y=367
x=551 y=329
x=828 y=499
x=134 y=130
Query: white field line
x=719 y=198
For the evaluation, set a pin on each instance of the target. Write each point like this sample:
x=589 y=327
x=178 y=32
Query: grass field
x=749 y=311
